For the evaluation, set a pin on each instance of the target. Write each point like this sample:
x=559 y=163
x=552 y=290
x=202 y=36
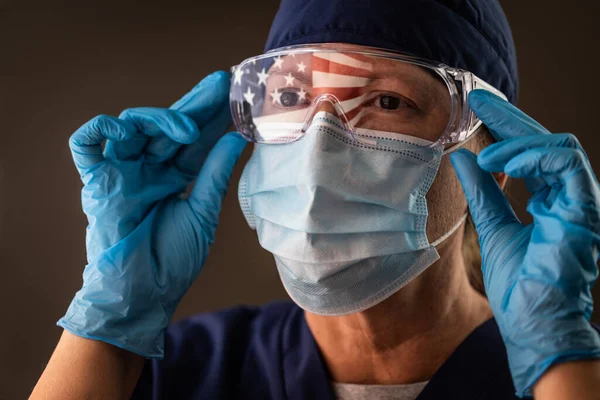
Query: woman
x=352 y=125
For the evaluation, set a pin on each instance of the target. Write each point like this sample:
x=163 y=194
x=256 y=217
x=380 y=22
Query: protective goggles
x=275 y=96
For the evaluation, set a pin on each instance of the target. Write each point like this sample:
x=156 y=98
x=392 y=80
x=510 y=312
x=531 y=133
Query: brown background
x=63 y=63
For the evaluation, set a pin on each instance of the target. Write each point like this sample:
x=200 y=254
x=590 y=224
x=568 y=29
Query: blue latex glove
x=537 y=277
x=146 y=243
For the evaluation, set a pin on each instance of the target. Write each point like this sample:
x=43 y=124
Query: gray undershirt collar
x=349 y=391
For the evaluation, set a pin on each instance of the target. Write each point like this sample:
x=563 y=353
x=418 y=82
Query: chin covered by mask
x=345 y=220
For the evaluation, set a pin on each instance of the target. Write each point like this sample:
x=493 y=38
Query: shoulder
x=224 y=332
x=226 y=325
x=205 y=352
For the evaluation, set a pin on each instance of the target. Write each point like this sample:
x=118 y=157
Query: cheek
x=446 y=202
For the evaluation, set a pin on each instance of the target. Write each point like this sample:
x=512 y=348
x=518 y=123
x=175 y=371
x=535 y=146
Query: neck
x=406 y=338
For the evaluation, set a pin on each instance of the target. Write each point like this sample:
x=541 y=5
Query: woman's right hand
x=146 y=243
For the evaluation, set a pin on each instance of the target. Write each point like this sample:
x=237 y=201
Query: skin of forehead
x=383 y=66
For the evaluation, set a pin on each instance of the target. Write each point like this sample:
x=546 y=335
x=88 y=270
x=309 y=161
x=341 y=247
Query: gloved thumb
x=489 y=207
x=213 y=180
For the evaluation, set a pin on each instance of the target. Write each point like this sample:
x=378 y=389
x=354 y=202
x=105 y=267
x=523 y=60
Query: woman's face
x=378 y=94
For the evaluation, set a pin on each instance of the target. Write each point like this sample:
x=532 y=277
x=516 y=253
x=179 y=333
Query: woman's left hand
x=538 y=277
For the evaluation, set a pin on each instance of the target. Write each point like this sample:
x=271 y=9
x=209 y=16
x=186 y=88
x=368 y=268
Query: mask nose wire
x=329 y=103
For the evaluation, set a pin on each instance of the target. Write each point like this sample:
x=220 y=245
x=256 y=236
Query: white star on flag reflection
x=238 y=76
x=278 y=62
x=249 y=96
x=302 y=94
x=289 y=79
x=276 y=96
x=262 y=77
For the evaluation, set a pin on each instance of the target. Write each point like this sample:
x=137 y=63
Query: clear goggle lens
x=275 y=96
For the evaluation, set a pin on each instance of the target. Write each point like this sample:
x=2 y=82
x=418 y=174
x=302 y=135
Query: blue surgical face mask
x=345 y=220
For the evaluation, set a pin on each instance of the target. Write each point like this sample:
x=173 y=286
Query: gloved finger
x=161 y=149
x=125 y=149
x=206 y=99
x=86 y=142
x=190 y=158
x=495 y=157
x=213 y=180
x=168 y=129
x=489 y=207
x=567 y=165
x=502 y=118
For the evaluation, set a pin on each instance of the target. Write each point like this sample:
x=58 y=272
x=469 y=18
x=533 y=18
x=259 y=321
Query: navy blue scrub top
x=269 y=352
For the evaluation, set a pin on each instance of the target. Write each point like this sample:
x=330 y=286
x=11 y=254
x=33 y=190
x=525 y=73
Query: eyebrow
x=404 y=76
x=408 y=81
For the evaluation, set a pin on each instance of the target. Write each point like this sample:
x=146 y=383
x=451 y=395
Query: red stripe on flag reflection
x=342 y=75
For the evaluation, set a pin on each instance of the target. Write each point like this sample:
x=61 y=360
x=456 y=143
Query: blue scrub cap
x=468 y=34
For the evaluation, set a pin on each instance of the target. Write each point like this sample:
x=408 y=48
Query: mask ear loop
x=451 y=231
x=465 y=215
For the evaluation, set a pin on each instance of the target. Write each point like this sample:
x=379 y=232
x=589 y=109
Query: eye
x=289 y=99
x=388 y=102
